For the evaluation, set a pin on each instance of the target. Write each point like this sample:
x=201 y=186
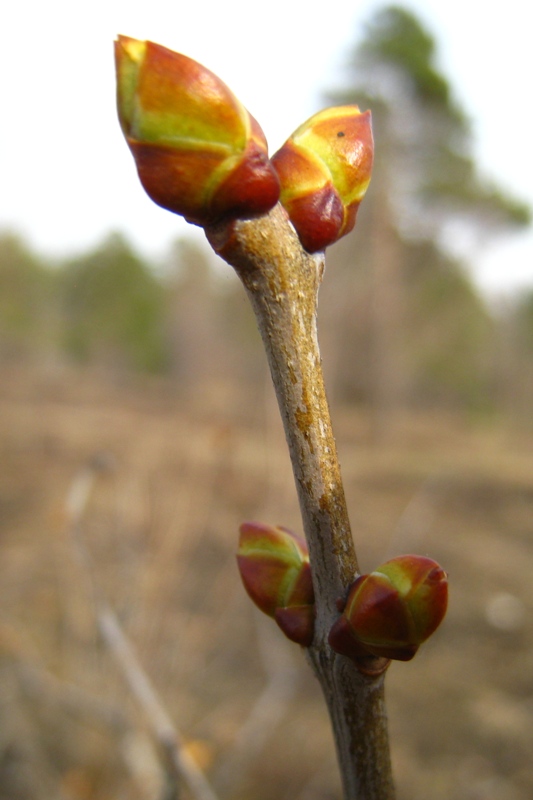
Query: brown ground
x=175 y=478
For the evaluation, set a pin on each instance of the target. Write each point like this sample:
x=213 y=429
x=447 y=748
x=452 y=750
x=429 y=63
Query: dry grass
x=178 y=476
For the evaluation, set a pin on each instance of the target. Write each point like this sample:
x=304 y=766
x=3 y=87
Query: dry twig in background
x=177 y=763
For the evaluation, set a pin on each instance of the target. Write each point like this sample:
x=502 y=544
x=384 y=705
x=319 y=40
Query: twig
x=41 y=688
x=177 y=760
x=282 y=282
x=178 y=764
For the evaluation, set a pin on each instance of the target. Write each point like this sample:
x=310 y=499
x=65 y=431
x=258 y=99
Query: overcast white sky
x=66 y=176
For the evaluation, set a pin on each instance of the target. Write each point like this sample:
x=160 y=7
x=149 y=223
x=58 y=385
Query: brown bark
x=282 y=282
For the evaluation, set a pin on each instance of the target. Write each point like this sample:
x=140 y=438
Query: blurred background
x=138 y=427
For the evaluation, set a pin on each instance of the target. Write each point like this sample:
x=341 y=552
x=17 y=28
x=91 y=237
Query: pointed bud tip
x=198 y=151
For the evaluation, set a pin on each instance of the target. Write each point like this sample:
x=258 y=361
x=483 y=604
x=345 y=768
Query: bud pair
x=393 y=610
x=274 y=567
x=199 y=153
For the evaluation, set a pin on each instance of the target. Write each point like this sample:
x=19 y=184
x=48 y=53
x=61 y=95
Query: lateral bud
x=324 y=170
x=275 y=570
x=393 y=610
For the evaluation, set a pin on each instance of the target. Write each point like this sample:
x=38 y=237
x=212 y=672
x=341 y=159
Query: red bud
x=198 y=151
x=393 y=610
x=324 y=170
x=275 y=571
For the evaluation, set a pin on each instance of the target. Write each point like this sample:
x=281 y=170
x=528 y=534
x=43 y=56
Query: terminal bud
x=198 y=151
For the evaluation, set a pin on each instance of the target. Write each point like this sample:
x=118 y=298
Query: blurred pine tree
x=113 y=308
x=419 y=331
x=26 y=300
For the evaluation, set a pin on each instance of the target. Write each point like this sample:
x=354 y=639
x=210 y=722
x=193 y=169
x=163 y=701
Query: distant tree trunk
x=192 y=323
x=345 y=321
x=390 y=376
x=513 y=372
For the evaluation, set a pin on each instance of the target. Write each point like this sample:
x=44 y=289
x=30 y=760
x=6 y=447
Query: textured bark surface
x=282 y=282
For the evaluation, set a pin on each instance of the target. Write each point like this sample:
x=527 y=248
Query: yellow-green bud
x=393 y=610
x=324 y=170
x=198 y=151
x=274 y=567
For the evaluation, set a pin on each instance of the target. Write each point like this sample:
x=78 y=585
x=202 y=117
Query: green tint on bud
x=275 y=571
x=198 y=151
x=391 y=611
x=324 y=170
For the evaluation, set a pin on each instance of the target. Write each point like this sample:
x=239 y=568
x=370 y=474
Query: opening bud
x=198 y=151
x=275 y=570
x=324 y=170
x=391 y=611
